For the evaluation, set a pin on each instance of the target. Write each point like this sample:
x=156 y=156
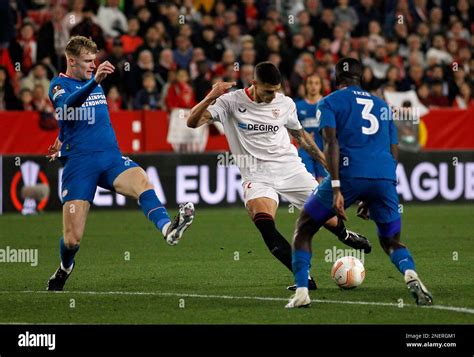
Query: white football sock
x=165 y=228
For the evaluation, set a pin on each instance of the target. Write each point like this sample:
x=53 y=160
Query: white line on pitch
x=230 y=297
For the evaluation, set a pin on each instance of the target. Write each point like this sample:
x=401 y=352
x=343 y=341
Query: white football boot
x=417 y=289
x=299 y=299
x=180 y=223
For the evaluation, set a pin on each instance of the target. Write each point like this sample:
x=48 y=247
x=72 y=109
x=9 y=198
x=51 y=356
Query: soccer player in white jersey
x=256 y=122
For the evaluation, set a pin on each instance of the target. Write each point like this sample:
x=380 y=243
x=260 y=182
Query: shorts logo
x=242 y=110
x=64 y=193
x=127 y=160
x=276 y=113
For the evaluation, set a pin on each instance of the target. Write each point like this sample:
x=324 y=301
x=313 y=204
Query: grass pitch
x=222 y=273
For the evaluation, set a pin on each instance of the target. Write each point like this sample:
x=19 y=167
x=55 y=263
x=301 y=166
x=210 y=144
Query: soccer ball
x=348 y=272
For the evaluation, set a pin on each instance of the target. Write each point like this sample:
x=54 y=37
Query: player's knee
x=390 y=244
x=72 y=237
x=306 y=228
x=389 y=235
x=141 y=186
x=149 y=185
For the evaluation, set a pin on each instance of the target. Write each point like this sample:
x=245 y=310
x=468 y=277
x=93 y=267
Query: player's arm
x=331 y=151
x=78 y=97
x=393 y=139
x=199 y=114
x=54 y=149
x=306 y=141
x=332 y=157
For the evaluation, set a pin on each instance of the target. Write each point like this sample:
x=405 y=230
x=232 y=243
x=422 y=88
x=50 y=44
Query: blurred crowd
x=169 y=53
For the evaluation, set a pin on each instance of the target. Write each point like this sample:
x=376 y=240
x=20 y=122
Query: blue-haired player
x=361 y=151
x=89 y=152
x=306 y=110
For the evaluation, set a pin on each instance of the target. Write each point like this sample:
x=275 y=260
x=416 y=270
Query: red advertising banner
x=448 y=129
x=128 y=126
x=146 y=131
x=20 y=133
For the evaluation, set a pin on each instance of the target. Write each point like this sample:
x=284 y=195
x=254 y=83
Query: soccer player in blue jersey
x=361 y=151
x=88 y=150
x=306 y=110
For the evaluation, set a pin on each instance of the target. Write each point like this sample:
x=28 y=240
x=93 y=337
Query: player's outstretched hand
x=103 y=70
x=338 y=204
x=363 y=210
x=219 y=88
x=53 y=150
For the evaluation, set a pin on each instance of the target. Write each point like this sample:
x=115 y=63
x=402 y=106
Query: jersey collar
x=246 y=90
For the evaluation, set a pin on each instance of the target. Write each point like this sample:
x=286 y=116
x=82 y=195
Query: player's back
x=86 y=128
x=364 y=131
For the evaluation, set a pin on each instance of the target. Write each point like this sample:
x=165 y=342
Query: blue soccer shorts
x=379 y=194
x=83 y=173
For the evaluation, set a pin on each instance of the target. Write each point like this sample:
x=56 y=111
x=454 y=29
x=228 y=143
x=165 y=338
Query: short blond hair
x=78 y=44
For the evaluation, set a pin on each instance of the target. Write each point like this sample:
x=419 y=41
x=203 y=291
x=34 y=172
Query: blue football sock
x=402 y=259
x=67 y=254
x=153 y=209
x=301 y=264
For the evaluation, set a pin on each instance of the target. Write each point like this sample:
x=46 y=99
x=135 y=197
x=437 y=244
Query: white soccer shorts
x=295 y=188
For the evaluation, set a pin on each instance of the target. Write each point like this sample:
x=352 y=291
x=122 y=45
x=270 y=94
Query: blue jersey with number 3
x=364 y=129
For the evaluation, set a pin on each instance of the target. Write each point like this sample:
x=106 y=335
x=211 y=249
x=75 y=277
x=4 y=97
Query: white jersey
x=256 y=132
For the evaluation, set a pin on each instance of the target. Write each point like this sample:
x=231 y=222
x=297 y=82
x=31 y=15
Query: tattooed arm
x=306 y=141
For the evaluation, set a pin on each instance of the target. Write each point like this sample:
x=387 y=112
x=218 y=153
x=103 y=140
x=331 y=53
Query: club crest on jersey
x=56 y=88
x=57 y=91
x=276 y=113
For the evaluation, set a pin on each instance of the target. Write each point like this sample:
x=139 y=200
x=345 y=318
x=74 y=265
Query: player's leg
x=261 y=202
x=383 y=207
x=127 y=178
x=355 y=240
x=74 y=222
x=134 y=183
x=261 y=206
x=313 y=216
x=78 y=184
x=336 y=226
x=299 y=187
x=316 y=212
x=400 y=256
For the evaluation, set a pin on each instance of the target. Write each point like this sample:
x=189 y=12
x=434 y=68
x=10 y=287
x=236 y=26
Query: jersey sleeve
x=220 y=109
x=393 y=132
x=293 y=122
x=62 y=95
x=325 y=115
x=58 y=92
